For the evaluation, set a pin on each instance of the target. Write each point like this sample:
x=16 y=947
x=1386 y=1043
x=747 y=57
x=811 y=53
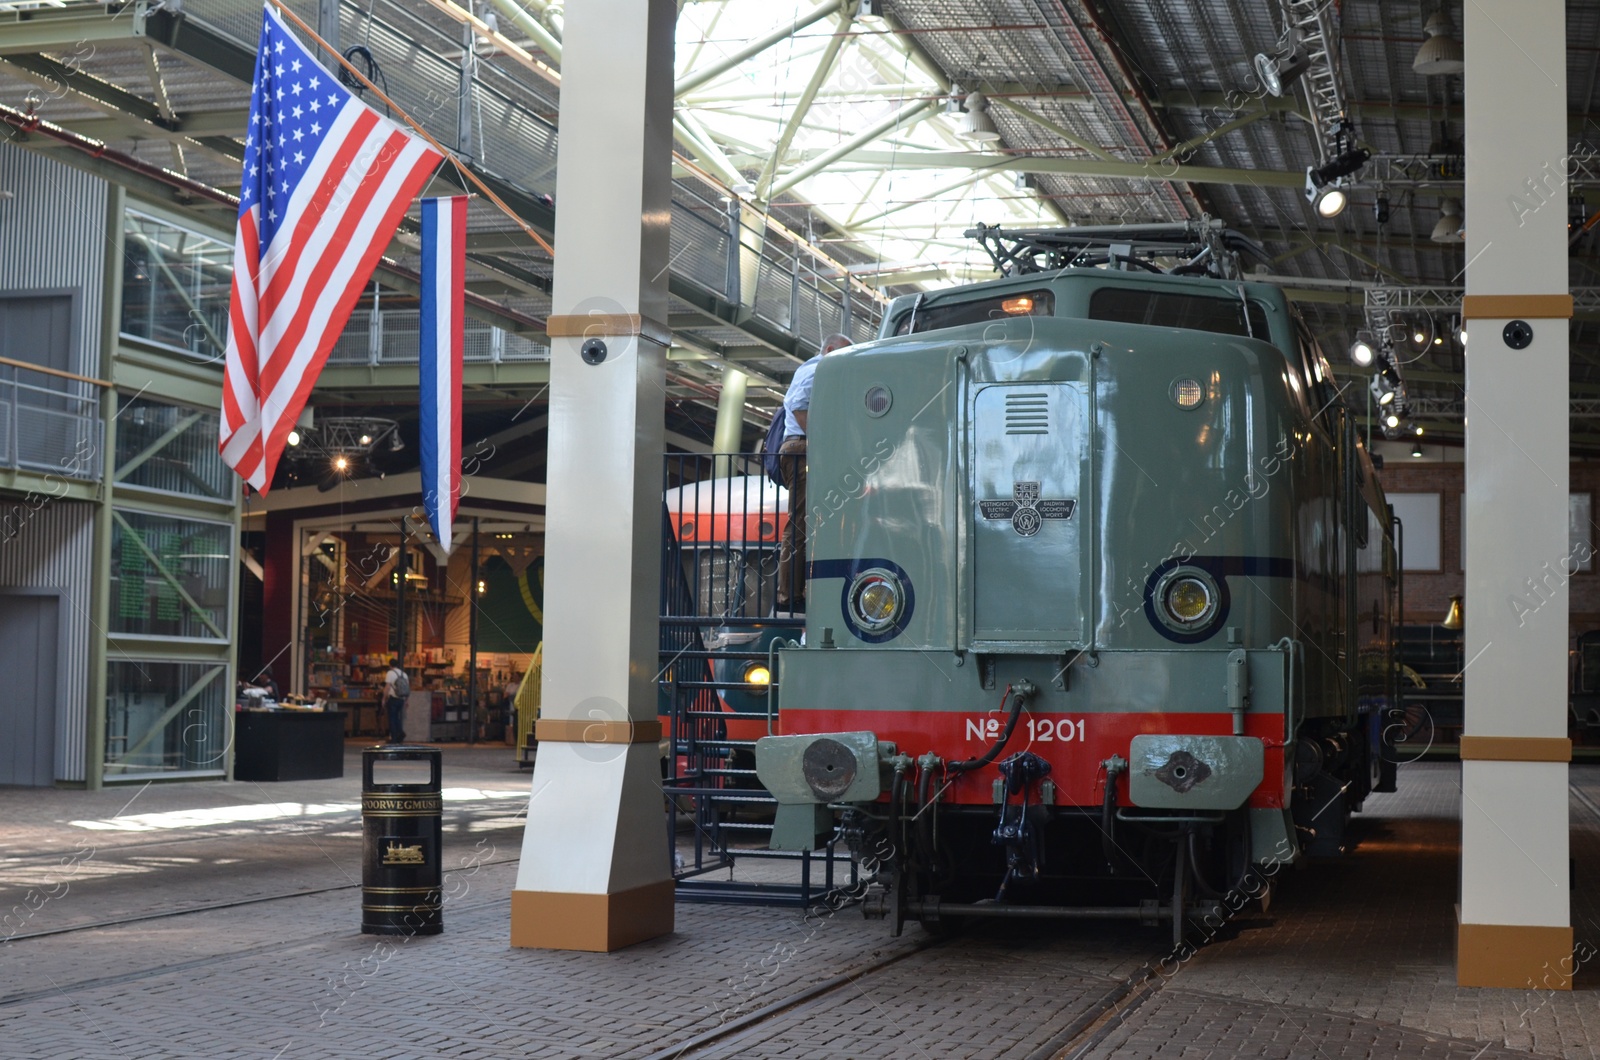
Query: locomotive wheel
x=1180 y=882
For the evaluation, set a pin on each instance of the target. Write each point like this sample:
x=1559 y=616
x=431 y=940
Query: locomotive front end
x=1058 y=605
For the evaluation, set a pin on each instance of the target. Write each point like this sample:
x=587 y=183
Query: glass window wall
x=175 y=286
x=166 y=717
x=170 y=448
x=170 y=576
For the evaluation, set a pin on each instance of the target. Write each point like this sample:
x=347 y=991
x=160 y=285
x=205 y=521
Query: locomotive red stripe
x=1073 y=744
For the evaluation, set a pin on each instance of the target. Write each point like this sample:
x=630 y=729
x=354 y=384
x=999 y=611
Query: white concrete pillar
x=595 y=872
x=1514 y=917
x=727 y=436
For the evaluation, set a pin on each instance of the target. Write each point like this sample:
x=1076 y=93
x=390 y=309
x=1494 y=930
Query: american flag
x=326 y=180
x=439 y=358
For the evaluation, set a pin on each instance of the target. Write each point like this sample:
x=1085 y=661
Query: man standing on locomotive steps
x=792 y=457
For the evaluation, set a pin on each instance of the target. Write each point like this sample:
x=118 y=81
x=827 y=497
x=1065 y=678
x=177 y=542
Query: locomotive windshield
x=977 y=311
x=1167 y=309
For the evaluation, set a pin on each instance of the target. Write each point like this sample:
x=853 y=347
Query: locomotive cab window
x=977 y=311
x=1169 y=309
x=1320 y=389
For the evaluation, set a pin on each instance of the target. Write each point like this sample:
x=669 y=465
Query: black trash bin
x=401 y=872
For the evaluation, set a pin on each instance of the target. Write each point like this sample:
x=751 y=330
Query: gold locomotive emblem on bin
x=395 y=854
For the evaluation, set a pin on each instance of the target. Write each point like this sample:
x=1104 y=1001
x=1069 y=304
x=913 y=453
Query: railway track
x=1079 y=1036
x=211 y=907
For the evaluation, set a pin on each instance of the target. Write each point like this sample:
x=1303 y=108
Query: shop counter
x=366 y=716
x=288 y=744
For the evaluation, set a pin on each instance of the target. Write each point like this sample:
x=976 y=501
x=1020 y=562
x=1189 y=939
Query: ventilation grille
x=1027 y=414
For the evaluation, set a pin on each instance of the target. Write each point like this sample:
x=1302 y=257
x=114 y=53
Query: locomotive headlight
x=876 y=599
x=756 y=674
x=1188 y=599
x=1187 y=393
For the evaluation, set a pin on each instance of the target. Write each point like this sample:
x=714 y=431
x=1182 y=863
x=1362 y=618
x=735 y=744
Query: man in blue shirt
x=792 y=456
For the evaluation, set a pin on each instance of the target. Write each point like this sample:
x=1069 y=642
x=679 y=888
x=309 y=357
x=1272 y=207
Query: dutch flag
x=444 y=259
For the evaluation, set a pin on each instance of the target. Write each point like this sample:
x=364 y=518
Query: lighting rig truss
x=1454 y=407
x=351 y=436
x=1309 y=23
x=1447 y=171
x=1386 y=305
x=1201 y=247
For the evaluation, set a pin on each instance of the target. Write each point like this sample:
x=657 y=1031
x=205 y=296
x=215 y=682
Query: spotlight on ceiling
x=1421 y=331
x=1278 y=72
x=1383 y=390
x=341 y=463
x=294 y=437
x=1391 y=421
x=1442 y=52
x=975 y=123
x=1416 y=449
x=1450 y=228
x=1340 y=165
x=366 y=439
x=1330 y=202
x=1362 y=353
x=1380 y=210
x=1325 y=184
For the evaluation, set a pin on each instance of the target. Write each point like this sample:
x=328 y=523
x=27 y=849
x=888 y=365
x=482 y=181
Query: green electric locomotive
x=1097 y=564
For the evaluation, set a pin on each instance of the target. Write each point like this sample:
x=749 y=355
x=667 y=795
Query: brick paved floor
x=1355 y=958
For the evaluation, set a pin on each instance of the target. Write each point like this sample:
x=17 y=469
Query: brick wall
x=1428 y=594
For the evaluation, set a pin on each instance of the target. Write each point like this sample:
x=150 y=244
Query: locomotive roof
x=1080 y=283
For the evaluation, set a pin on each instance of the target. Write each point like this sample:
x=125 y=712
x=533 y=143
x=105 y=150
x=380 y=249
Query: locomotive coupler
x=1017 y=830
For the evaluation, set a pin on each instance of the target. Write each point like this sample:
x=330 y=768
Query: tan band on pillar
x=606 y=326
x=1516 y=749
x=1514 y=306
x=1512 y=956
x=576 y=730
x=598 y=923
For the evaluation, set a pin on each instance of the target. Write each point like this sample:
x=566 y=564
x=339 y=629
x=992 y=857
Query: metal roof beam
x=903 y=118
x=1066 y=134
x=72 y=32
x=802 y=106
x=1077 y=167
x=51 y=73
x=691 y=81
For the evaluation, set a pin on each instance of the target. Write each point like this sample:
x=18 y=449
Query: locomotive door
x=1029 y=446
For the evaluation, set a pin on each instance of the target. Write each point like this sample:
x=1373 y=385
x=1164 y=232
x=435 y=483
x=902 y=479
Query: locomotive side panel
x=882 y=487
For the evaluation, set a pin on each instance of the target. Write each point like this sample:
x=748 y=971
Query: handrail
x=75 y=377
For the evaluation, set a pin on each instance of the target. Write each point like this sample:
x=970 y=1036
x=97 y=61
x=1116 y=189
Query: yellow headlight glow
x=1188 y=599
x=878 y=602
x=758 y=675
x=1022 y=304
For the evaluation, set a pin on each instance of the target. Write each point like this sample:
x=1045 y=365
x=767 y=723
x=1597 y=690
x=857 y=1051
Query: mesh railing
x=50 y=429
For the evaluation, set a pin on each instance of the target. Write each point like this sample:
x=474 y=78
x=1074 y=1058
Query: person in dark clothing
x=796 y=405
x=396 y=686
